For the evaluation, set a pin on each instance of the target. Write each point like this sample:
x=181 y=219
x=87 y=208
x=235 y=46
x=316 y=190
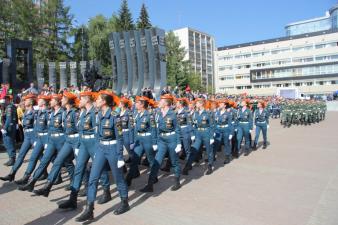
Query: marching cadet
x=88 y=147
x=203 y=133
x=184 y=121
x=110 y=149
x=145 y=137
x=41 y=139
x=29 y=135
x=9 y=129
x=127 y=120
x=261 y=117
x=223 y=129
x=168 y=133
x=244 y=126
x=56 y=139
x=66 y=155
x=234 y=111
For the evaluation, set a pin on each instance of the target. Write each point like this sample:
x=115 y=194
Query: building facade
x=200 y=49
x=327 y=22
x=307 y=62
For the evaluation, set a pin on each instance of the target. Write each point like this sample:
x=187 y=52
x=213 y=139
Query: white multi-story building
x=200 y=49
x=306 y=61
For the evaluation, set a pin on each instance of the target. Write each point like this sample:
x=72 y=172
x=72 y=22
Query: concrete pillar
x=63 y=75
x=73 y=74
x=39 y=74
x=51 y=74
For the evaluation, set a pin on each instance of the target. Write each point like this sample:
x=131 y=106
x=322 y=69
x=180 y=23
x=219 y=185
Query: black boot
x=167 y=166
x=10 y=177
x=124 y=207
x=44 y=175
x=23 y=180
x=29 y=186
x=10 y=162
x=148 y=187
x=145 y=162
x=254 y=147
x=129 y=179
x=227 y=159
x=186 y=169
x=71 y=203
x=88 y=214
x=209 y=171
x=264 y=145
x=83 y=192
x=182 y=155
x=58 y=180
x=177 y=184
x=247 y=151
x=106 y=197
x=124 y=169
x=45 y=190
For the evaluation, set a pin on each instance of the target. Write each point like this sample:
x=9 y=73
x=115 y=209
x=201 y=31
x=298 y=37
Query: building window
x=303 y=60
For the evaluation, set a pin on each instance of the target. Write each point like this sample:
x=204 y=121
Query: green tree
x=81 y=43
x=18 y=19
x=99 y=29
x=175 y=64
x=125 y=20
x=56 y=25
x=143 y=21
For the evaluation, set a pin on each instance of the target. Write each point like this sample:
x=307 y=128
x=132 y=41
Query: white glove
x=192 y=138
x=120 y=164
x=46 y=145
x=3 y=131
x=178 y=148
x=236 y=130
x=155 y=147
x=250 y=131
x=230 y=136
x=268 y=126
x=76 y=151
x=132 y=146
x=34 y=143
x=212 y=141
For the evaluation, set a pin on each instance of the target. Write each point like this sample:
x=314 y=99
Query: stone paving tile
x=293 y=182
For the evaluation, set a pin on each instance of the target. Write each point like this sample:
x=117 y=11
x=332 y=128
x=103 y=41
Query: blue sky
x=229 y=21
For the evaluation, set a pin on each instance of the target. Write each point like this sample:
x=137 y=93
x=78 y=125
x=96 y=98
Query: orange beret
x=167 y=96
x=185 y=100
x=263 y=103
x=29 y=96
x=109 y=93
x=223 y=100
x=89 y=93
x=69 y=95
x=125 y=100
x=44 y=97
x=142 y=98
x=213 y=102
x=56 y=96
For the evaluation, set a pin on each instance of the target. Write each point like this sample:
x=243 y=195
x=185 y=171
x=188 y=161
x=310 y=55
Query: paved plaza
x=293 y=182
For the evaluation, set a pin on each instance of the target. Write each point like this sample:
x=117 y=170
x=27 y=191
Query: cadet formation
x=118 y=134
